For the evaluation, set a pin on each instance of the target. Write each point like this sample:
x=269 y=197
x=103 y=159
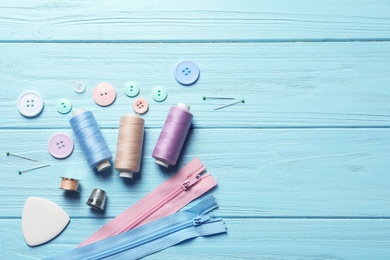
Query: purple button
x=60 y=145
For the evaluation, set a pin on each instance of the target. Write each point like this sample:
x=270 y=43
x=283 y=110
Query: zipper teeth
x=157 y=206
x=170 y=229
x=121 y=223
x=159 y=235
x=148 y=213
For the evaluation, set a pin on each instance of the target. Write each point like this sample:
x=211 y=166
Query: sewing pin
x=204 y=98
x=30 y=159
x=39 y=167
x=231 y=104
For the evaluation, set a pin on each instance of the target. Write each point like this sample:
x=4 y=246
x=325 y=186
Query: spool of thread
x=69 y=184
x=91 y=139
x=173 y=135
x=129 y=146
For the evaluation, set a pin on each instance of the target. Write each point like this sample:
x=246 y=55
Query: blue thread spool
x=91 y=140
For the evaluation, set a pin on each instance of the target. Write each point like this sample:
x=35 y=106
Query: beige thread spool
x=69 y=184
x=129 y=146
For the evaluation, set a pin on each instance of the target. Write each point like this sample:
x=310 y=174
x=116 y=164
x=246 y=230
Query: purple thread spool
x=173 y=135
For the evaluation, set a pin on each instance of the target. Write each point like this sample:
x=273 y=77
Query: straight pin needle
x=8 y=154
x=39 y=167
x=204 y=98
x=231 y=104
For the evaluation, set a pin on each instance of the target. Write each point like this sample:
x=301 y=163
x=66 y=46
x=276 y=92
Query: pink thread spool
x=173 y=135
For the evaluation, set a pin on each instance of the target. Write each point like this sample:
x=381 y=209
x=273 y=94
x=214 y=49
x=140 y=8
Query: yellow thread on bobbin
x=129 y=146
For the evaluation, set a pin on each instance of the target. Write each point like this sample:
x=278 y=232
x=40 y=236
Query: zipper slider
x=202 y=218
x=187 y=183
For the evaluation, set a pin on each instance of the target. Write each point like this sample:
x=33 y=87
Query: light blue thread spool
x=91 y=139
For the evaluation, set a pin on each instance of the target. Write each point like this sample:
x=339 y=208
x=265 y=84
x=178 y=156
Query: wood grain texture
x=302 y=166
x=289 y=173
x=284 y=85
x=204 y=21
x=246 y=239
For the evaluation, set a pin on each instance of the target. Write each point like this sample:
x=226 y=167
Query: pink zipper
x=186 y=185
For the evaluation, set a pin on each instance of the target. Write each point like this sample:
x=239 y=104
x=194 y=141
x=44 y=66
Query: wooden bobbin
x=69 y=184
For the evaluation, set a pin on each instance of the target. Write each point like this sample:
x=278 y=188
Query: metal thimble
x=97 y=200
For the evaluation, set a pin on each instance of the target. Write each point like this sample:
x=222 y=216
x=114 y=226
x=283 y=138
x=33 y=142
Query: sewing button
x=104 y=94
x=79 y=86
x=64 y=106
x=131 y=89
x=140 y=106
x=60 y=145
x=187 y=73
x=30 y=103
x=159 y=93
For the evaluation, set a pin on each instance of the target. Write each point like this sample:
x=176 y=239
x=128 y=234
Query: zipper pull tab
x=202 y=218
x=187 y=183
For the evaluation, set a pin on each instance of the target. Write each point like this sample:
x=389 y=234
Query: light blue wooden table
x=303 y=166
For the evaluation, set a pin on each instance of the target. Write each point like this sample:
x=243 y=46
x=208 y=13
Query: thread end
x=78 y=111
x=159 y=162
x=103 y=165
x=184 y=106
x=126 y=174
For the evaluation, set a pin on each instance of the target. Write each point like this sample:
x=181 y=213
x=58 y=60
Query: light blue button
x=159 y=93
x=187 y=73
x=131 y=89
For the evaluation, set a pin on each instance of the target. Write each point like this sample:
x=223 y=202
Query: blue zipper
x=154 y=236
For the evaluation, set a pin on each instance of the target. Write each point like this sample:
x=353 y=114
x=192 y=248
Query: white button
x=79 y=86
x=30 y=103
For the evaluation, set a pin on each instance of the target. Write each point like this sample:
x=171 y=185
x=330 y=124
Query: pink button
x=104 y=94
x=60 y=145
x=140 y=106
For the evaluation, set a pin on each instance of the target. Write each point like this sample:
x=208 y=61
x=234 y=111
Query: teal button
x=64 y=106
x=159 y=93
x=131 y=89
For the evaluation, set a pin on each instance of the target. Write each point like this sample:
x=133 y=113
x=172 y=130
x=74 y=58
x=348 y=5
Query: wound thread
x=69 y=184
x=129 y=146
x=173 y=135
x=91 y=140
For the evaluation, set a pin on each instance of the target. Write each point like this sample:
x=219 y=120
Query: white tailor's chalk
x=42 y=220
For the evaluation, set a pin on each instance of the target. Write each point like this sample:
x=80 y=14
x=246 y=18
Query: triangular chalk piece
x=42 y=220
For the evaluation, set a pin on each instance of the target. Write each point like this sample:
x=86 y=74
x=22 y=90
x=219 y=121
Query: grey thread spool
x=97 y=200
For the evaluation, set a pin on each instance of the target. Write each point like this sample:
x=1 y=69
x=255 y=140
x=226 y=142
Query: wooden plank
x=228 y=20
x=284 y=85
x=261 y=172
x=246 y=239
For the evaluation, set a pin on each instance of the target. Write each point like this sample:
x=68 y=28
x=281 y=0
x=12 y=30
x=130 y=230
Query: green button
x=159 y=93
x=64 y=106
x=131 y=89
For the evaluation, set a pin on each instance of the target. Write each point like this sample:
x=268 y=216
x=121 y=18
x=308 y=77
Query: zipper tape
x=154 y=236
x=186 y=185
